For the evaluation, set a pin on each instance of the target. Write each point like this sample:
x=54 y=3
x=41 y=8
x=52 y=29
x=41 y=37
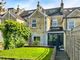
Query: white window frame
x=70 y=22
x=54 y=23
x=33 y=23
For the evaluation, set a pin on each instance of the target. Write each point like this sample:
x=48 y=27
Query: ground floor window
x=36 y=40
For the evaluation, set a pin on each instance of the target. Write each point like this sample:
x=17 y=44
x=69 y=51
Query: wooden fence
x=73 y=43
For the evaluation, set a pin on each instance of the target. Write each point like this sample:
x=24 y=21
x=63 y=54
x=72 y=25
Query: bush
x=20 y=42
x=36 y=43
x=15 y=34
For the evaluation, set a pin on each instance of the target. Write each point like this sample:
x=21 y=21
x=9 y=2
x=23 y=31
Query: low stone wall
x=53 y=54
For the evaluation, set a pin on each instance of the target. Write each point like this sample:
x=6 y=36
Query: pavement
x=61 y=55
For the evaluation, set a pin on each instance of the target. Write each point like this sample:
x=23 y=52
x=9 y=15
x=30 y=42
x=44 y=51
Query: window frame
x=54 y=22
x=37 y=37
x=34 y=23
x=70 y=23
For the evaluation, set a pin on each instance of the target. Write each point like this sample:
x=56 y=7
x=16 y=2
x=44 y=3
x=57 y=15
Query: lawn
x=27 y=53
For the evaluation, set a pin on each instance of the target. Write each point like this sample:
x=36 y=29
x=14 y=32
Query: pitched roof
x=13 y=14
x=27 y=13
x=17 y=16
x=67 y=11
x=53 y=11
x=49 y=12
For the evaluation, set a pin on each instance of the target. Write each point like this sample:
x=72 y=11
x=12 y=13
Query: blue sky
x=31 y=4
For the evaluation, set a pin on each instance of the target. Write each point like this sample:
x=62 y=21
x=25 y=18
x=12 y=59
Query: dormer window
x=54 y=23
x=33 y=23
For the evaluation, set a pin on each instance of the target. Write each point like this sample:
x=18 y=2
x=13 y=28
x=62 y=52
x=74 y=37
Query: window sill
x=33 y=27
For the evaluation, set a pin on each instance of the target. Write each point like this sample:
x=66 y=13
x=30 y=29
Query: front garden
x=15 y=36
x=33 y=53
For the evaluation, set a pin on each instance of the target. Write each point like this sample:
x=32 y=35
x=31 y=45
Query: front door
x=55 y=39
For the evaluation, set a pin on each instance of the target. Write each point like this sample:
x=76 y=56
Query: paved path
x=61 y=55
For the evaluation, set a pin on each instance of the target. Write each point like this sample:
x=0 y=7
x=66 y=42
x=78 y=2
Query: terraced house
x=48 y=26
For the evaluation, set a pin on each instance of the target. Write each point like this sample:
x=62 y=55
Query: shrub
x=36 y=43
x=15 y=34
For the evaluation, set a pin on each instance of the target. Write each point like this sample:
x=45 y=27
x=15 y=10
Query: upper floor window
x=54 y=23
x=71 y=24
x=33 y=23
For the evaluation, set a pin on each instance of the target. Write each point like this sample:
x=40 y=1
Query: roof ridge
x=44 y=9
x=51 y=8
x=71 y=7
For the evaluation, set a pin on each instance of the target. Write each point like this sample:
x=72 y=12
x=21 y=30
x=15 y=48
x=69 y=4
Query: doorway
x=55 y=39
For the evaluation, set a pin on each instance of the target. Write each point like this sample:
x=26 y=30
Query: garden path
x=61 y=55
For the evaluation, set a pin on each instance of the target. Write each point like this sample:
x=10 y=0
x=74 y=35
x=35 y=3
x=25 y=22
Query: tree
x=14 y=34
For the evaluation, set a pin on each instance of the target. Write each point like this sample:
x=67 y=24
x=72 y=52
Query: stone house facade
x=47 y=25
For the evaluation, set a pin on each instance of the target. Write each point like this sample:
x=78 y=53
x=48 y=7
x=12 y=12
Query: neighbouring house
x=48 y=26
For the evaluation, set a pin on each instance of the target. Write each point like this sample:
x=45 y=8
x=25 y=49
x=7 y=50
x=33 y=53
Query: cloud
x=32 y=4
x=71 y=3
x=67 y=4
x=52 y=4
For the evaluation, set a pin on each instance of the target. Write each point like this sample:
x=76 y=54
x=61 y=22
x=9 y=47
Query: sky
x=32 y=4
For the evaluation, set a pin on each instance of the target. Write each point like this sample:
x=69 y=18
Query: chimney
x=18 y=8
x=62 y=6
x=2 y=3
x=38 y=4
